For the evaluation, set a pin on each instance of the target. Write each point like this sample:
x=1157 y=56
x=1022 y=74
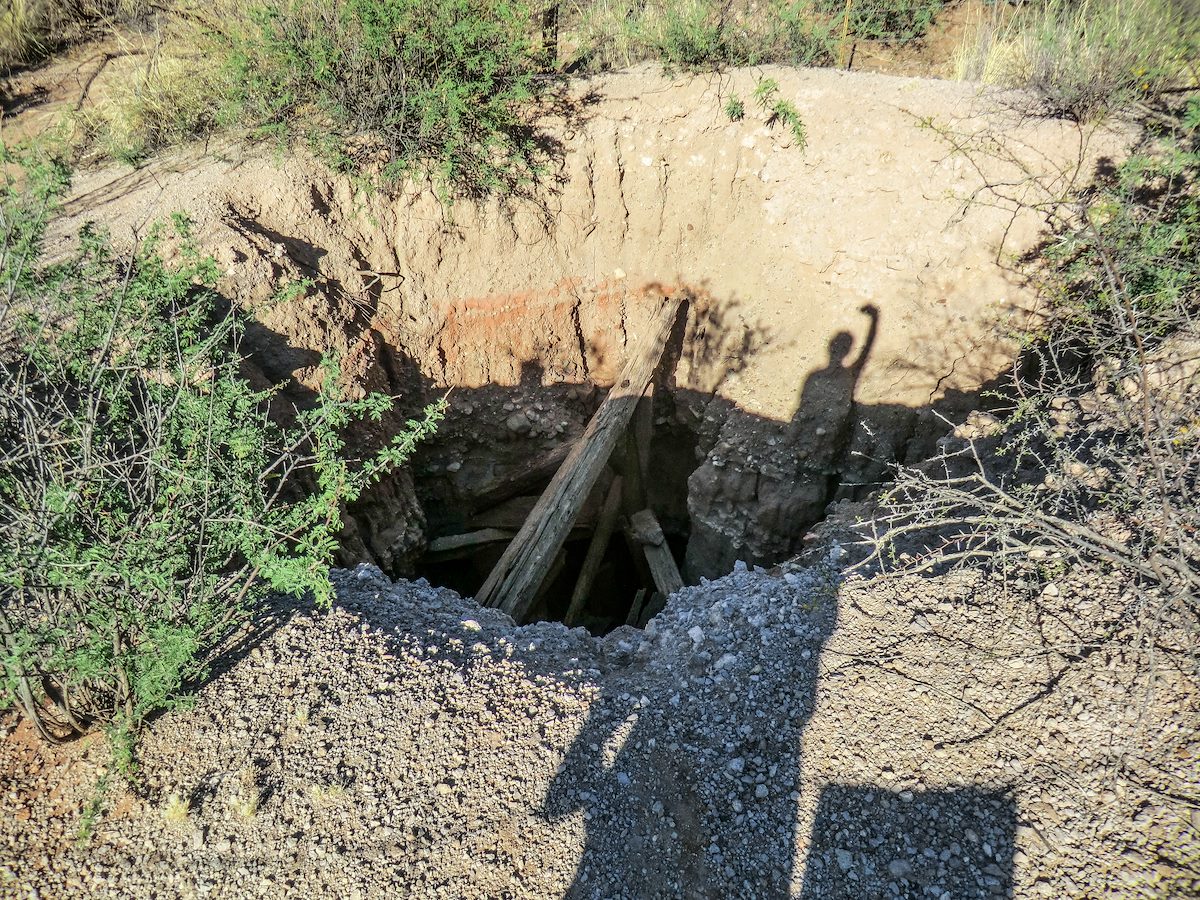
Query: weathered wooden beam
x=635 y=608
x=457 y=546
x=632 y=455
x=514 y=581
x=642 y=430
x=512 y=513
x=454 y=546
x=605 y=526
x=646 y=531
x=522 y=480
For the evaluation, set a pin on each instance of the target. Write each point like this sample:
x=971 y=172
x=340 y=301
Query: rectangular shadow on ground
x=872 y=842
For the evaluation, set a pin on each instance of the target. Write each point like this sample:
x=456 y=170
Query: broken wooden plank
x=635 y=608
x=521 y=481
x=645 y=530
x=514 y=581
x=513 y=512
x=595 y=553
x=458 y=546
x=454 y=546
x=625 y=459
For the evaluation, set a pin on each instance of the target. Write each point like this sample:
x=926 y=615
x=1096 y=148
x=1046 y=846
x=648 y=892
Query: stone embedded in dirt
x=518 y=423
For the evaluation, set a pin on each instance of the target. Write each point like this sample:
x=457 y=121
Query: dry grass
x=175 y=810
x=167 y=96
x=30 y=29
x=1086 y=58
x=324 y=796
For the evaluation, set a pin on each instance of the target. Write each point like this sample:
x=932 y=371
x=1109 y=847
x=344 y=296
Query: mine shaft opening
x=556 y=493
x=477 y=500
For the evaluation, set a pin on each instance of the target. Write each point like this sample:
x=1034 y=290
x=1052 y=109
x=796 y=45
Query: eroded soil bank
x=841 y=294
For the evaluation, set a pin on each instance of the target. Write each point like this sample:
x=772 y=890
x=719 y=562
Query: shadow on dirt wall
x=726 y=484
x=733 y=484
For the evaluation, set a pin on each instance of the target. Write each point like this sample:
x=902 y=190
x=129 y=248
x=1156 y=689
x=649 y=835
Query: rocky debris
x=768 y=734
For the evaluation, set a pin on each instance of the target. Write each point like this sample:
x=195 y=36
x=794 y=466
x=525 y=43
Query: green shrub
x=147 y=499
x=694 y=35
x=1139 y=248
x=699 y=35
x=894 y=21
x=785 y=113
x=397 y=86
x=735 y=108
x=780 y=111
x=800 y=36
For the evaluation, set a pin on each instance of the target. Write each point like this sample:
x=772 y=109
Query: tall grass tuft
x=1086 y=58
x=30 y=29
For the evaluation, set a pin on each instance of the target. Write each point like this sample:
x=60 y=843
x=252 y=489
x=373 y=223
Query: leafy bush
x=400 y=85
x=147 y=498
x=799 y=36
x=392 y=88
x=1086 y=58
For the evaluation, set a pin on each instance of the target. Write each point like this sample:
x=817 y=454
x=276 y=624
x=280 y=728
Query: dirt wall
x=841 y=291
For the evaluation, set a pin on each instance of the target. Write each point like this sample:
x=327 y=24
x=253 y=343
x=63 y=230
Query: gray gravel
x=769 y=734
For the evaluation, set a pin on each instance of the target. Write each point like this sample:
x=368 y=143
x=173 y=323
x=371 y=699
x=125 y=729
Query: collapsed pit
x=842 y=295
x=475 y=502
x=526 y=377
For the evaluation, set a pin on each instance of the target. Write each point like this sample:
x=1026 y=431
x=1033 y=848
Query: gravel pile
x=769 y=734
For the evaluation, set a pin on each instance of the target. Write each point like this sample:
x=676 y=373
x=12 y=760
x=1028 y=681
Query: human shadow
x=800 y=465
x=688 y=769
x=828 y=399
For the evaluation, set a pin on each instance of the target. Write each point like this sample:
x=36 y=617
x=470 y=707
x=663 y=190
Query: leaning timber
x=514 y=582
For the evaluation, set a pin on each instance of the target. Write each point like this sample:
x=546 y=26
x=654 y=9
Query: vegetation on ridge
x=391 y=89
